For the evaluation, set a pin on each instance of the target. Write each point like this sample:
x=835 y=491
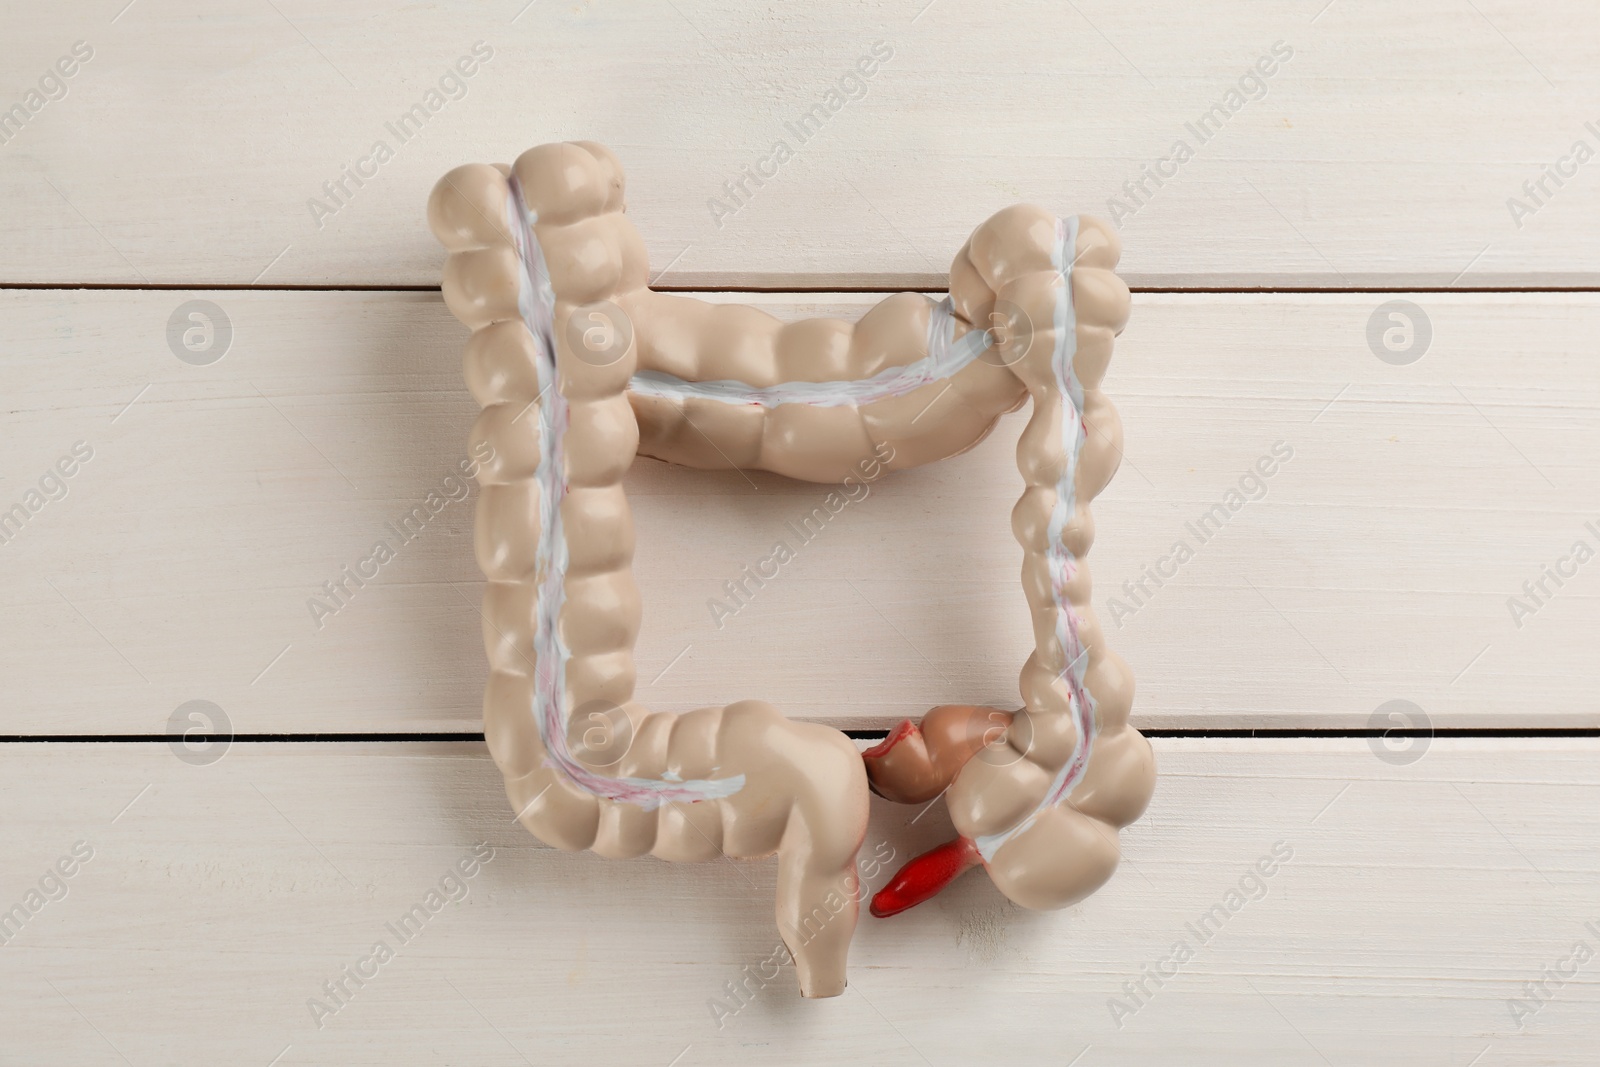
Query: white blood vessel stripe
x=1063 y=565
x=536 y=301
x=945 y=357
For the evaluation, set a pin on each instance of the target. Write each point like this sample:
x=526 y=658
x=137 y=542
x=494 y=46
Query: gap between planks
x=801 y=290
x=390 y=737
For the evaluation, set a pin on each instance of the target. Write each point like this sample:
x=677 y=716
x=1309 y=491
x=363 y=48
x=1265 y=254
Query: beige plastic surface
x=803 y=791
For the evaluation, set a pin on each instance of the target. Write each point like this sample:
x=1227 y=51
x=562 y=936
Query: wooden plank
x=1365 y=162
x=182 y=562
x=231 y=892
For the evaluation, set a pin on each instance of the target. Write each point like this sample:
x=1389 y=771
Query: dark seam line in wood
x=860 y=735
x=1263 y=290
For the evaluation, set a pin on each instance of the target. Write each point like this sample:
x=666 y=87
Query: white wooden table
x=1398 y=153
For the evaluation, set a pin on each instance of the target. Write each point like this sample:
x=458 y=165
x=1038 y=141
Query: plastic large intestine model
x=580 y=367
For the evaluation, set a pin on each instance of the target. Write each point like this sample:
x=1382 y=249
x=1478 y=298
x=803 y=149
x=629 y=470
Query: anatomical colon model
x=579 y=367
